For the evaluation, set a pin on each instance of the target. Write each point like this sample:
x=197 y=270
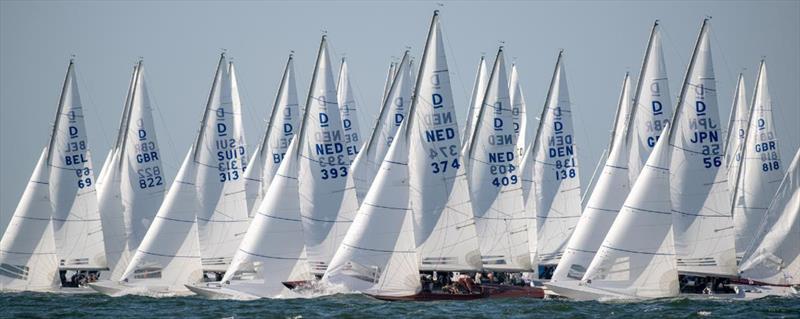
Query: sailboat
x=284 y=122
x=637 y=258
x=550 y=176
x=348 y=109
x=396 y=103
x=478 y=90
x=605 y=202
x=761 y=169
x=702 y=221
x=76 y=220
x=133 y=183
x=495 y=186
x=328 y=201
x=28 y=260
x=390 y=74
x=772 y=261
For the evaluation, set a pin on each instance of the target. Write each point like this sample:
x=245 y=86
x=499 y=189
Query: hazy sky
x=180 y=42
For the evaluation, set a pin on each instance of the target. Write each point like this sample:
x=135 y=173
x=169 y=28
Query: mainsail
x=76 y=220
x=444 y=229
x=550 y=170
x=348 y=108
x=328 y=200
x=267 y=157
x=221 y=158
x=703 y=225
x=761 y=169
x=774 y=255
x=27 y=250
x=493 y=173
x=478 y=90
x=637 y=258
x=605 y=202
x=394 y=110
x=652 y=107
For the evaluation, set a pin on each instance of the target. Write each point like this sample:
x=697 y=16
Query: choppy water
x=38 y=305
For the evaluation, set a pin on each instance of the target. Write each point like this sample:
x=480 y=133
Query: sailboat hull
x=489 y=291
x=118 y=289
x=576 y=291
x=219 y=292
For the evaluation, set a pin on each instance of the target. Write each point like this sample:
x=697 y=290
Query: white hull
x=215 y=290
x=576 y=291
x=118 y=289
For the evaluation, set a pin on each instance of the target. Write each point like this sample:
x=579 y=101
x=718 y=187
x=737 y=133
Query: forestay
x=652 y=109
x=703 y=225
x=221 y=158
x=27 y=250
x=605 y=201
x=761 y=170
x=283 y=123
x=637 y=258
x=444 y=229
x=76 y=220
x=394 y=110
x=327 y=209
x=493 y=173
x=551 y=171
x=774 y=256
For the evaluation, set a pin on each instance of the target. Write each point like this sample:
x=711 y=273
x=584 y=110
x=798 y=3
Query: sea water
x=43 y=305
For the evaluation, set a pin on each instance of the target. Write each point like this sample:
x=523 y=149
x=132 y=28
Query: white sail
x=703 y=225
x=393 y=112
x=522 y=129
x=552 y=173
x=378 y=255
x=273 y=244
x=27 y=250
x=142 y=175
x=637 y=258
x=221 y=158
x=76 y=220
x=444 y=229
x=169 y=255
x=605 y=202
x=478 y=90
x=774 y=255
x=348 y=108
x=737 y=132
x=109 y=202
x=283 y=123
x=652 y=105
x=761 y=170
x=495 y=186
x=327 y=209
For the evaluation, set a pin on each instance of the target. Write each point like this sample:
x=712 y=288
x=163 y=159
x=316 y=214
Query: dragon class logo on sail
x=230 y=155
x=76 y=152
x=333 y=155
x=561 y=149
x=442 y=156
x=705 y=131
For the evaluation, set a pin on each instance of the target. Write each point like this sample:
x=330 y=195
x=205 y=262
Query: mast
x=483 y=102
x=640 y=82
x=684 y=87
x=310 y=96
x=123 y=130
x=274 y=113
x=220 y=65
x=546 y=102
x=56 y=122
x=422 y=64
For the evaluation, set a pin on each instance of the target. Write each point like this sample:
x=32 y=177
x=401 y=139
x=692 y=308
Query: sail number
x=84 y=177
x=150 y=177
